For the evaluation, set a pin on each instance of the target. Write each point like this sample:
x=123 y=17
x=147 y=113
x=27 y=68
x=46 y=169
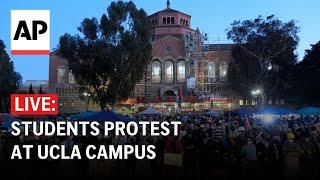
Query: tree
x=264 y=56
x=308 y=85
x=109 y=57
x=10 y=80
x=40 y=90
x=31 y=89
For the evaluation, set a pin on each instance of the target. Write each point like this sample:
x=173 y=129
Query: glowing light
x=268 y=118
x=255 y=92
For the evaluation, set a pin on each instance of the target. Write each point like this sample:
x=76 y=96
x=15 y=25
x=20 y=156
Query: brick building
x=61 y=82
x=180 y=56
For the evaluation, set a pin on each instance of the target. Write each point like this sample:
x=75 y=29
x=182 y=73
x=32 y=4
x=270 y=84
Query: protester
x=291 y=155
x=205 y=146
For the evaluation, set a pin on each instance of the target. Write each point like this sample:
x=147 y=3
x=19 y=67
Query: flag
x=246 y=121
x=180 y=99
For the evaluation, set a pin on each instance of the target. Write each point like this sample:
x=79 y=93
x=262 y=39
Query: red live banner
x=34 y=104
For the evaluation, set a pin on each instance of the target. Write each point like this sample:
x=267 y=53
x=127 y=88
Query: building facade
x=181 y=57
x=36 y=84
x=62 y=82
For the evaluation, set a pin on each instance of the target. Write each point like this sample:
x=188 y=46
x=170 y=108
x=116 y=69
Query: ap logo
x=30 y=32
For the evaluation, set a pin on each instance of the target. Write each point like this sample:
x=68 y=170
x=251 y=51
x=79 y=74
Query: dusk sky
x=210 y=16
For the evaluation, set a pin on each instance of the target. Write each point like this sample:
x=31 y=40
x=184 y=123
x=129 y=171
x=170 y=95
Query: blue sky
x=210 y=16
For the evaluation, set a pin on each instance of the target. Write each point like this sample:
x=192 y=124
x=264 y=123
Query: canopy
x=82 y=115
x=271 y=110
x=124 y=111
x=33 y=117
x=103 y=116
x=309 y=111
x=7 y=117
x=240 y=112
x=212 y=112
x=284 y=111
x=267 y=110
x=7 y=124
x=149 y=111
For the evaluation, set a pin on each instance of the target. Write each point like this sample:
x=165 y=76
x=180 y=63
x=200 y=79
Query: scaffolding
x=197 y=50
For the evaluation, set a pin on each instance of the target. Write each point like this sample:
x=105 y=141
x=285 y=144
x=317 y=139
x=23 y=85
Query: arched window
x=181 y=71
x=187 y=23
x=168 y=20
x=184 y=22
x=156 y=72
x=61 y=74
x=223 y=68
x=152 y=23
x=71 y=78
x=164 y=20
x=180 y=21
x=168 y=66
x=211 y=72
x=156 y=22
x=172 y=20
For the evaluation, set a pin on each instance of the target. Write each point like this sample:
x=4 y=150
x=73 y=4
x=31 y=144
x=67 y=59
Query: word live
x=34 y=104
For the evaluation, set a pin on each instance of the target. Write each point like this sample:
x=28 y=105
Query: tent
x=103 y=116
x=284 y=111
x=124 y=111
x=212 y=112
x=149 y=111
x=7 y=117
x=267 y=110
x=33 y=117
x=240 y=112
x=7 y=124
x=271 y=110
x=309 y=111
x=82 y=115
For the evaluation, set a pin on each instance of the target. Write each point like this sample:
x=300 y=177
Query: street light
x=256 y=92
x=86 y=95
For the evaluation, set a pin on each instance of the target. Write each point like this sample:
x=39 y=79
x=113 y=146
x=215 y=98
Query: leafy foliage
x=308 y=83
x=40 y=91
x=9 y=79
x=263 y=56
x=110 y=56
x=31 y=89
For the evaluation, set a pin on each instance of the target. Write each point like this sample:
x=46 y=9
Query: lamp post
x=255 y=93
x=87 y=95
x=177 y=101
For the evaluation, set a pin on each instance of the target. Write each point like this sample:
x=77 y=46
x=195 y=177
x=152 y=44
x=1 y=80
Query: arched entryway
x=169 y=93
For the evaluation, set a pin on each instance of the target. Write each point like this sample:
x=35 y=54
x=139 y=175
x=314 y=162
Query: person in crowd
x=265 y=152
x=249 y=157
x=190 y=155
x=205 y=146
x=277 y=160
x=291 y=152
x=182 y=132
x=308 y=155
x=206 y=150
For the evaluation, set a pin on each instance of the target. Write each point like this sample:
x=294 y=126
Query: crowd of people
x=206 y=146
